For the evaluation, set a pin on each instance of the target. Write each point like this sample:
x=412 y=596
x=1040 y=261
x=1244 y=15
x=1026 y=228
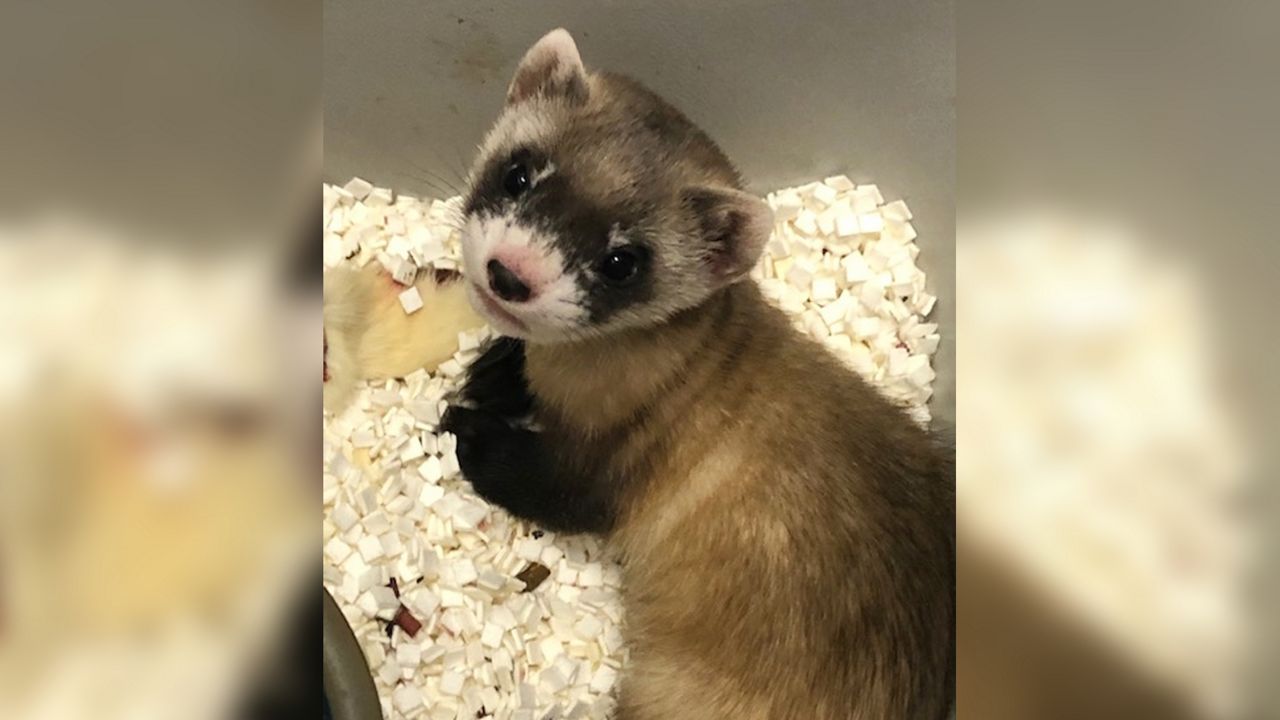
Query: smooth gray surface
x=791 y=91
x=348 y=686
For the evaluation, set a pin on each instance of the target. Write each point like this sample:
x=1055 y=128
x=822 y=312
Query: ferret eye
x=516 y=181
x=622 y=265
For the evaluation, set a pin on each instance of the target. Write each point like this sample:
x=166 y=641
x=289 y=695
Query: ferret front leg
x=496 y=381
x=512 y=467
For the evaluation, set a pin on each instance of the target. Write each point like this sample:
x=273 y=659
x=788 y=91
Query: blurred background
x=159 y=320
x=160 y=359
x=1115 y=272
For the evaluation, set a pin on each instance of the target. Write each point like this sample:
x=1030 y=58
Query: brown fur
x=787 y=536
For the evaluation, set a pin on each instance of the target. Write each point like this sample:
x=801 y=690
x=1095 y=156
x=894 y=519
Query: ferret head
x=595 y=206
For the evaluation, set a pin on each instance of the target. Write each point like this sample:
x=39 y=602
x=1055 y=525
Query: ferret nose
x=505 y=284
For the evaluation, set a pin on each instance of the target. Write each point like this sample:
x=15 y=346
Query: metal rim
x=348 y=685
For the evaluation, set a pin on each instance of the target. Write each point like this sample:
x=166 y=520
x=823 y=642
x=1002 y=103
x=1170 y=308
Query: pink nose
x=506 y=284
x=518 y=274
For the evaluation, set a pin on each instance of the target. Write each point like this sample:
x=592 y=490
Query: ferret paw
x=496 y=382
x=475 y=430
x=511 y=467
x=489 y=450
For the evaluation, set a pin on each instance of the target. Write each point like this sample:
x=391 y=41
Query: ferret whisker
x=459 y=166
x=441 y=181
x=454 y=178
x=432 y=185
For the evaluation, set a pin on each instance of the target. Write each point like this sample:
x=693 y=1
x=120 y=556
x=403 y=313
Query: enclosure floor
x=406 y=538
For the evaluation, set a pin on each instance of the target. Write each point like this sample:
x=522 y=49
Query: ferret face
x=595 y=206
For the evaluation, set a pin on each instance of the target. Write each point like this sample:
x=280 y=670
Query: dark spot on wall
x=478 y=57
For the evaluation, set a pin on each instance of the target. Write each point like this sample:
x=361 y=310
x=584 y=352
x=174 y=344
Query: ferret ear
x=733 y=227
x=551 y=68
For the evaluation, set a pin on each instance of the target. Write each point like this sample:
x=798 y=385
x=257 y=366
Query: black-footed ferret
x=787 y=536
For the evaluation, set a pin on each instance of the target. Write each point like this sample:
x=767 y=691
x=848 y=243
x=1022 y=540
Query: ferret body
x=786 y=535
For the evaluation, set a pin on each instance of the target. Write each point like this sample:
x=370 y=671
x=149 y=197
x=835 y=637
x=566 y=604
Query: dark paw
x=511 y=467
x=477 y=431
x=491 y=453
x=495 y=379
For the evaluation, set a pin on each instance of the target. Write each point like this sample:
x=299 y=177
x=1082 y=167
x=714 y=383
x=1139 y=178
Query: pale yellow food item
x=369 y=336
